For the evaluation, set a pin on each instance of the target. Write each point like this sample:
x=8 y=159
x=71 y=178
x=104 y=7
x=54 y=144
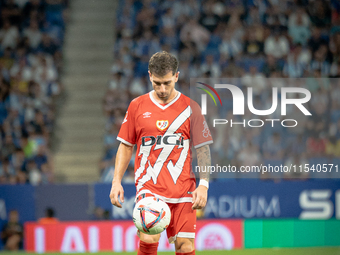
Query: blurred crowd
x=31 y=40
x=264 y=43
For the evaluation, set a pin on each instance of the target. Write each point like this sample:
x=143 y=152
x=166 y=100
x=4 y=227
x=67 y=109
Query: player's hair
x=163 y=62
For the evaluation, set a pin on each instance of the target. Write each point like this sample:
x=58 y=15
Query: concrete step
x=88 y=56
x=78 y=173
x=79 y=120
x=98 y=16
x=85 y=82
x=82 y=109
x=81 y=163
x=84 y=134
x=88 y=156
x=79 y=178
x=80 y=55
x=95 y=28
x=82 y=146
x=84 y=93
x=89 y=42
x=88 y=69
x=91 y=4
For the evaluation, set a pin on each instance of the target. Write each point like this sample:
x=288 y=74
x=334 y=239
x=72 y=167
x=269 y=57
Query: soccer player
x=164 y=124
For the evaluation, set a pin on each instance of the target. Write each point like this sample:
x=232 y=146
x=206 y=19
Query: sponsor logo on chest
x=146 y=115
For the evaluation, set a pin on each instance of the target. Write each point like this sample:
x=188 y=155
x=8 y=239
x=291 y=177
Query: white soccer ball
x=151 y=215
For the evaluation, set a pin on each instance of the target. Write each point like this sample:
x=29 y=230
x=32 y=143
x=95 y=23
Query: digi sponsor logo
x=162 y=124
x=175 y=139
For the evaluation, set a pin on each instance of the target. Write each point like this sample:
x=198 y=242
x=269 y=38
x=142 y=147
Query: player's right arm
x=127 y=137
x=123 y=158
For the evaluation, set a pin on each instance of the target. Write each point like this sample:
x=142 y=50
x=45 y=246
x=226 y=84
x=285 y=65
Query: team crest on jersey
x=162 y=124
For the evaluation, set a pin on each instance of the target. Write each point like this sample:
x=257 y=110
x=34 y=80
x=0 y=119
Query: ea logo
x=214 y=237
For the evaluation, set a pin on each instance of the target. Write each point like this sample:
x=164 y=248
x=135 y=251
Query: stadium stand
x=31 y=39
x=263 y=43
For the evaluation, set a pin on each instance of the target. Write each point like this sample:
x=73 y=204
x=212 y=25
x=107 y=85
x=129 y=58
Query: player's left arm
x=200 y=195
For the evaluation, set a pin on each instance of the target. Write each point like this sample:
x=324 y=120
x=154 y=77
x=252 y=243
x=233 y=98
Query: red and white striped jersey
x=163 y=135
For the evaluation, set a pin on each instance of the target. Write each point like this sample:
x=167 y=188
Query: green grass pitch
x=274 y=251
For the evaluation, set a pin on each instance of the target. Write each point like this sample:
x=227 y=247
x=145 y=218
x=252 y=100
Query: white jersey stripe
x=125 y=142
x=153 y=172
x=202 y=144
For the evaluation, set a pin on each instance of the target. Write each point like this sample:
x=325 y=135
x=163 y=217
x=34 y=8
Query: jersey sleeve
x=199 y=130
x=127 y=132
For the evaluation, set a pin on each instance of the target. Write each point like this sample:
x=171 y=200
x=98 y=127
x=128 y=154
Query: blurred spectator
x=253 y=46
x=31 y=36
x=230 y=46
x=11 y=11
x=34 y=6
x=208 y=19
x=49 y=217
x=12 y=232
x=320 y=12
x=315 y=146
x=194 y=33
x=209 y=65
x=100 y=214
x=272 y=66
x=275 y=18
x=316 y=39
x=297 y=62
x=255 y=80
x=47 y=45
x=273 y=148
x=276 y=45
x=250 y=156
x=333 y=147
x=296 y=146
x=293 y=162
x=321 y=61
x=34 y=174
x=299 y=27
x=9 y=35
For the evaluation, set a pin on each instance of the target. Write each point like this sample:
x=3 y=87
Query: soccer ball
x=151 y=215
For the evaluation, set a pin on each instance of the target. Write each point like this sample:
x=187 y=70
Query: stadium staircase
x=87 y=56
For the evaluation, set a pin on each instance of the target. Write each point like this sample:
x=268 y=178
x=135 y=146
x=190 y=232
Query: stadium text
x=317 y=204
x=243 y=206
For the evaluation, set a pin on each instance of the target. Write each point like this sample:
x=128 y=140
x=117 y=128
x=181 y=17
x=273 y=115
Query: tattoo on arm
x=204 y=161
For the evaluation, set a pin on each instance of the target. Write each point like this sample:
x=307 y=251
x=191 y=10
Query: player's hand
x=199 y=197
x=117 y=192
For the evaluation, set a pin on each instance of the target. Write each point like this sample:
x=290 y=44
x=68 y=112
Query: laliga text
x=304 y=168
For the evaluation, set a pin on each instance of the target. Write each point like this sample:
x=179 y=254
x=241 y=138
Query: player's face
x=164 y=86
